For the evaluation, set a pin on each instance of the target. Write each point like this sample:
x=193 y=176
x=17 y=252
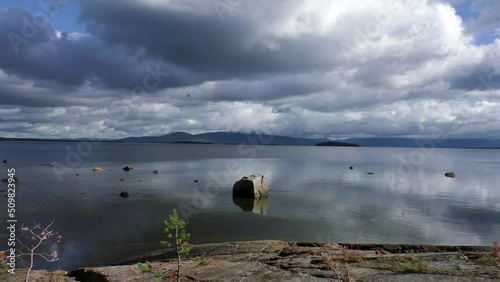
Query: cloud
x=290 y=67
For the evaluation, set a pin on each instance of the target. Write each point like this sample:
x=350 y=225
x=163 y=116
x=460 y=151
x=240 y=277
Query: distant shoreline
x=336 y=144
x=320 y=144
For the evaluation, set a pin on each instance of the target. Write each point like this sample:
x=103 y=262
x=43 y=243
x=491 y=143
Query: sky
x=310 y=68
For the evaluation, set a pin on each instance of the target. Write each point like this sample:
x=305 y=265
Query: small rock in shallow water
x=128 y=168
x=156 y=171
x=350 y=167
x=124 y=194
x=450 y=174
x=5 y=161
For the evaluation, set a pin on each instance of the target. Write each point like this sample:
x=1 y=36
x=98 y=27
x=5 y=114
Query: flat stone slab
x=35 y=275
x=304 y=261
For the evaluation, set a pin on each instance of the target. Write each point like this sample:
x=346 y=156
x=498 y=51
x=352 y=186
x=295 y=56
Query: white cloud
x=294 y=67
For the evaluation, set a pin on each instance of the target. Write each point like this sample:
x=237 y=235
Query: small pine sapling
x=175 y=230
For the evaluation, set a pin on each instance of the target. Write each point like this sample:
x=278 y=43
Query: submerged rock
x=128 y=168
x=450 y=174
x=124 y=194
x=252 y=186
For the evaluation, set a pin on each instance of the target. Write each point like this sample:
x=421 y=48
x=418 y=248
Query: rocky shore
x=295 y=261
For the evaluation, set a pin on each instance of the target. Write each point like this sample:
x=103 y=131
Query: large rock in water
x=252 y=186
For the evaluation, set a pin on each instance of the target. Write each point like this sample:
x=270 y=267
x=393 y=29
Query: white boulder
x=252 y=186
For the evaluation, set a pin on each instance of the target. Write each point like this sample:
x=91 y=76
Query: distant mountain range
x=251 y=139
x=255 y=139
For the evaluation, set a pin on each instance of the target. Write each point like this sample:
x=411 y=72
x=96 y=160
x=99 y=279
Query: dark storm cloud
x=201 y=42
x=292 y=67
x=17 y=27
x=481 y=78
x=29 y=98
x=261 y=90
x=72 y=60
x=194 y=47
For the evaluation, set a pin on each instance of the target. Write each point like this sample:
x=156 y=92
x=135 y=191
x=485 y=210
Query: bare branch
x=328 y=259
x=40 y=235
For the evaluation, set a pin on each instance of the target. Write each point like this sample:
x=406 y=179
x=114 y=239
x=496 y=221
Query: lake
x=314 y=196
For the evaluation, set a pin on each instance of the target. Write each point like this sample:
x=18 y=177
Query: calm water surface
x=314 y=196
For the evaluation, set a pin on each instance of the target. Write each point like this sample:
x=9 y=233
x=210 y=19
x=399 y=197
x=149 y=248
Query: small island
x=191 y=142
x=337 y=144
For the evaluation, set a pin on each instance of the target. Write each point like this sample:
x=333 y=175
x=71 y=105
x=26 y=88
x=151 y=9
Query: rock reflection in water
x=257 y=205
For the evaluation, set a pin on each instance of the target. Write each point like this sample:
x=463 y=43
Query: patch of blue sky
x=63 y=17
x=465 y=11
